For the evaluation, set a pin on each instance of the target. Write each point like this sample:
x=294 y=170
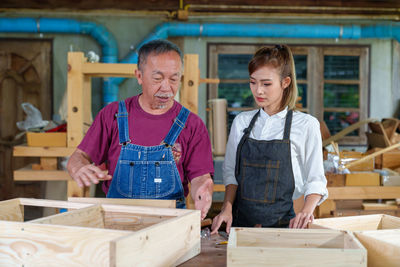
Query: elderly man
x=153 y=146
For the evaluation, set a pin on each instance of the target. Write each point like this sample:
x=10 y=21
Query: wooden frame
x=101 y=235
x=293 y=247
x=379 y=234
x=358 y=223
x=383 y=247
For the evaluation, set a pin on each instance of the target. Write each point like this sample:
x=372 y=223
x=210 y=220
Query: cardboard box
x=58 y=139
x=363 y=179
x=294 y=247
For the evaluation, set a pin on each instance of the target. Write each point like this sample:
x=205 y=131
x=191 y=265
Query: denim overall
x=265 y=180
x=147 y=171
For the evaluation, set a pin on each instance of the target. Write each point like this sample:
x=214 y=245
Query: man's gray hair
x=157 y=47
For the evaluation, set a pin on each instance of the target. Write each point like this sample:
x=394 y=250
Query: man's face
x=159 y=77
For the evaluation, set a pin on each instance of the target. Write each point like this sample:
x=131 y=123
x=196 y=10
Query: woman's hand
x=305 y=216
x=224 y=216
x=301 y=220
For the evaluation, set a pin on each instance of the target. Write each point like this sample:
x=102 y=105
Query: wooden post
x=189 y=95
x=75 y=98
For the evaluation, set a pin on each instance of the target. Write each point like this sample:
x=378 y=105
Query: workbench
x=211 y=254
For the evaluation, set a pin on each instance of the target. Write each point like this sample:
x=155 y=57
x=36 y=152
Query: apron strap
x=242 y=140
x=288 y=124
x=177 y=127
x=123 y=125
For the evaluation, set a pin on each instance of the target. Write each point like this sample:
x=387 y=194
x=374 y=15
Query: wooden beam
x=11 y=210
x=28 y=151
x=189 y=93
x=109 y=70
x=75 y=98
x=27 y=174
x=27 y=244
x=160 y=203
x=177 y=240
x=364 y=192
x=86 y=217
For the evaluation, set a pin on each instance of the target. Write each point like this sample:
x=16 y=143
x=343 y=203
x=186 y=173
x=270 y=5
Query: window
x=333 y=83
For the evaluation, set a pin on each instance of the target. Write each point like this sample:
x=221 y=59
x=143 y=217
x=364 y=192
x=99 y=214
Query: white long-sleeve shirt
x=306 y=148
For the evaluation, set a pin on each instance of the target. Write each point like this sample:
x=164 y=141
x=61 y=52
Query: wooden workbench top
x=211 y=253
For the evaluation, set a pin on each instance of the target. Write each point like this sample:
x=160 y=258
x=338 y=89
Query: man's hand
x=201 y=193
x=82 y=171
x=89 y=174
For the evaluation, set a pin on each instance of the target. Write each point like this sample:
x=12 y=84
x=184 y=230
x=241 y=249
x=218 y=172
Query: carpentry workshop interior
x=200 y=133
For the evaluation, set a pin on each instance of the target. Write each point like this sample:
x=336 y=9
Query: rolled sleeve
x=230 y=154
x=314 y=176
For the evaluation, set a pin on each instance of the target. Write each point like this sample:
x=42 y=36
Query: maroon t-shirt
x=101 y=142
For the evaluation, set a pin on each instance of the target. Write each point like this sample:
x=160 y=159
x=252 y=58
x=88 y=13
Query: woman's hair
x=281 y=58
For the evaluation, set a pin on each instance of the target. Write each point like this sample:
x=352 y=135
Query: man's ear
x=286 y=82
x=139 y=76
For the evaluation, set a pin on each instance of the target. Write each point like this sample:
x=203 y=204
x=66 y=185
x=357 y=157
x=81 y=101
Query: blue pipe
x=109 y=47
x=165 y=30
x=176 y=29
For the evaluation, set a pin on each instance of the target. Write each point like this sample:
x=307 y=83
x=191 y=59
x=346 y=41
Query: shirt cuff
x=317 y=188
x=230 y=180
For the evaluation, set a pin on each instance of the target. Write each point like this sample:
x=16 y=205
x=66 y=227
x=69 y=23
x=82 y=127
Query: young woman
x=274 y=154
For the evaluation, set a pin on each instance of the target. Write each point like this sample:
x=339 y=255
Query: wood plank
x=52 y=203
x=11 y=210
x=48 y=163
x=378 y=206
x=390 y=222
x=303 y=246
x=131 y=221
x=25 y=244
x=26 y=151
x=145 y=210
x=75 y=82
x=27 y=174
x=109 y=70
x=160 y=203
x=367 y=192
x=189 y=93
x=352 y=223
x=174 y=241
x=86 y=217
x=73 y=190
x=383 y=247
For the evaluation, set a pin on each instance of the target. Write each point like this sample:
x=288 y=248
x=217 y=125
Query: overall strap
x=177 y=127
x=288 y=124
x=123 y=125
x=242 y=140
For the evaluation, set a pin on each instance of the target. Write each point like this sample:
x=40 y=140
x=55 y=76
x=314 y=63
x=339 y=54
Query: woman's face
x=267 y=88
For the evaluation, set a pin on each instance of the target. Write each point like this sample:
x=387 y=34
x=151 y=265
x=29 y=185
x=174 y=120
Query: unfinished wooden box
x=379 y=234
x=99 y=235
x=358 y=223
x=294 y=247
x=383 y=247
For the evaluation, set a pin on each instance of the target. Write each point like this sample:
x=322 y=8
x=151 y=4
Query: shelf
x=27 y=174
x=30 y=151
x=364 y=192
